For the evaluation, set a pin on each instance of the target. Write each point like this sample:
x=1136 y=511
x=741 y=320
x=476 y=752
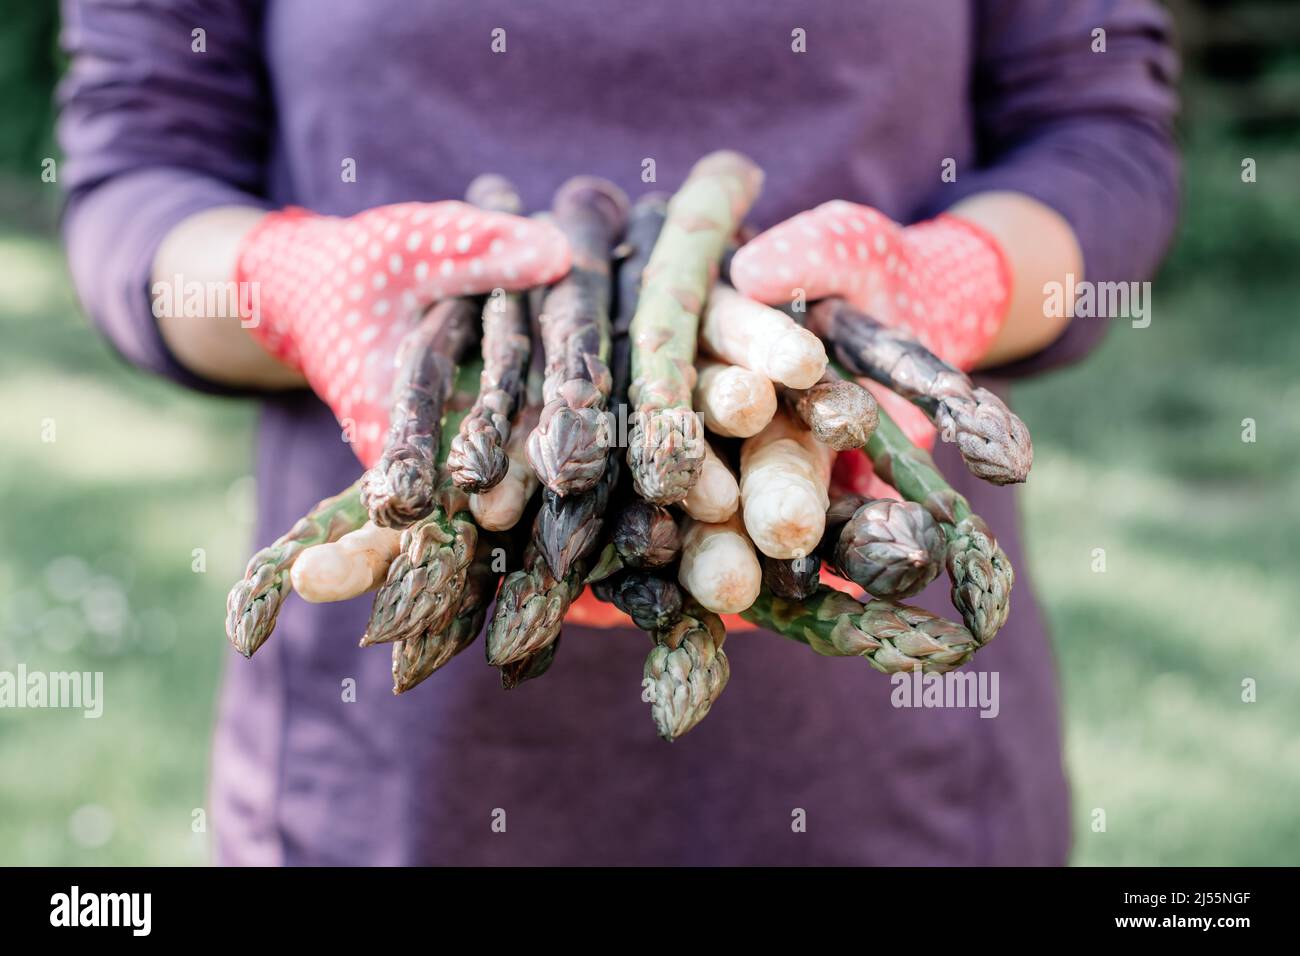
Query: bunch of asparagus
x=505 y=487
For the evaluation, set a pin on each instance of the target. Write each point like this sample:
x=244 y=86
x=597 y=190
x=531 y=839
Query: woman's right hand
x=333 y=297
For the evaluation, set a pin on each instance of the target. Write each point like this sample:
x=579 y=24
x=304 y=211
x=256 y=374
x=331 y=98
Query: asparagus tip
x=398 y=492
x=568 y=447
x=993 y=440
x=252 y=607
x=685 y=672
x=666 y=453
x=477 y=460
x=982 y=578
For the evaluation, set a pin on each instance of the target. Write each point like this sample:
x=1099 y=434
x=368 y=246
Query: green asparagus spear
x=980 y=572
x=893 y=637
x=665 y=447
x=414 y=659
x=686 y=671
x=401 y=486
x=254 y=602
x=477 y=459
x=992 y=439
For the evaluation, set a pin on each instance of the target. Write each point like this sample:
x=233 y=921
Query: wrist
x=198 y=308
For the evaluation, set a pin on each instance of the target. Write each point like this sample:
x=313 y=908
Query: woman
x=1044 y=128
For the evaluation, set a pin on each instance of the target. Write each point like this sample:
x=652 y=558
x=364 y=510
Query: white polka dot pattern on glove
x=337 y=295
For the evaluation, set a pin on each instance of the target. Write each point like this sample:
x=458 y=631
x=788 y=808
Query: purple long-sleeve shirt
x=419 y=98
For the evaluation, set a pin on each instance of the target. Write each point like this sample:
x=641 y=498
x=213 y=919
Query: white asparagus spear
x=761 y=338
x=719 y=566
x=715 y=496
x=784 y=474
x=342 y=569
x=733 y=401
x=501 y=506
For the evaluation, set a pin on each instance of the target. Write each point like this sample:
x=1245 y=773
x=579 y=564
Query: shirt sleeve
x=1089 y=134
x=158 y=121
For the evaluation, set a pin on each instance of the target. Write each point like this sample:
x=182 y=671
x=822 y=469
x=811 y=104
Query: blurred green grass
x=1139 y=452
x=96 y=574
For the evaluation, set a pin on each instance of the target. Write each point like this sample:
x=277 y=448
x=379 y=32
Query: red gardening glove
x=945 y=281
x=336 y=296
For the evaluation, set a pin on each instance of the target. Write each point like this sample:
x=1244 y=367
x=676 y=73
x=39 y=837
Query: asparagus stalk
x=892 y=549
x=414 y=659
x=530 y=667
x=664 y=447
x=980 y=572
x=758 y=337
x=840 y=413
x=255 y=601
x=893 y=637
x=500 y=507
x=477 y=459
x=794 y=579
x=400 y=487
x=646 y=536
x=641 y=534
x=570 y=444
x=644 y=224
x=686 y=671
x=992 y=439
x=422 y=588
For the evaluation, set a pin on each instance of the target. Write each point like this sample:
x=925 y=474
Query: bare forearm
x=200 y=254
x=1040 y=247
